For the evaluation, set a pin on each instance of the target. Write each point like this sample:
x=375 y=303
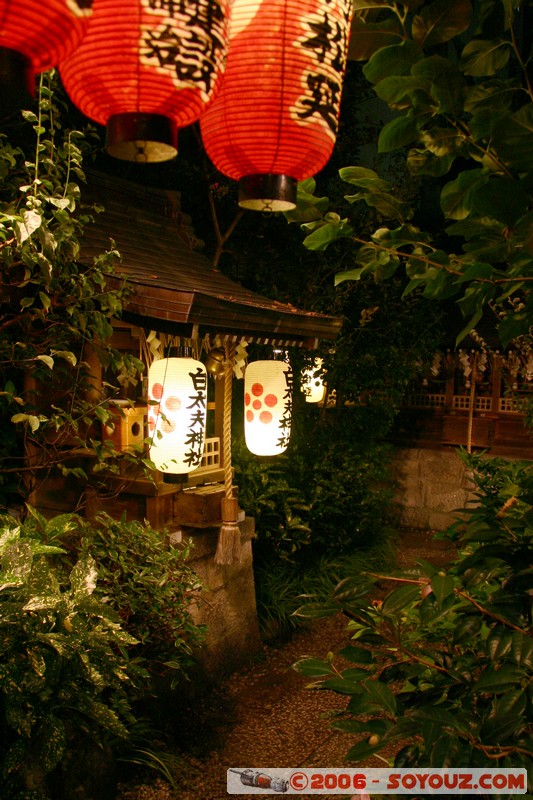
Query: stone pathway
x=263 y=716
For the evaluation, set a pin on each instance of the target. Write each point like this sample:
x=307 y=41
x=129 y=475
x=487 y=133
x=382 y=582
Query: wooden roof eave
x=182 y=312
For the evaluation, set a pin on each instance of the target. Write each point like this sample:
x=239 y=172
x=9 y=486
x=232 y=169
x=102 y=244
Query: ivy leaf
x=31 y=220
x=32 y=420
x=48 y=360
x=67 y=355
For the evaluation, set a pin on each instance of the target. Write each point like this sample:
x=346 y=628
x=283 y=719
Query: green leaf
x=364 y=177
x=513 y=138
x=362 y=751
x=501 y=198
x=357 y=655
x=397 y=133
x=328 y=232
x=440 y=21
x=456 y=196
x=400 y=598
x=348 y=275
x=377 y=726
x=42 y=603
x=48 y=360
x=443 y=586
x=308 y=206
x=312 y=667
x=522 y=650
x=31 y=221
x=469 y=327
x=498 y=680
x=367 y=38
x=349 y=685
x=435 y=714
x=397 y=59
x=380 y=694
x=352 y=588
x=483 y=57
x=316 y=610
x=83 y=576
x=478 y=269
x=397 y=90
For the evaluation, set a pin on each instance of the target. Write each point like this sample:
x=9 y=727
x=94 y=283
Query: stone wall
x=432 y=487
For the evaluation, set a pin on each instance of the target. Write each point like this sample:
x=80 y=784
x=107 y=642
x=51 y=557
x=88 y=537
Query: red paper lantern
x=34 y=37
x=274 y=120
x=146 y=68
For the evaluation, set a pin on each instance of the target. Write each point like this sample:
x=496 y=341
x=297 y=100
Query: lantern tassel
x=229 y=537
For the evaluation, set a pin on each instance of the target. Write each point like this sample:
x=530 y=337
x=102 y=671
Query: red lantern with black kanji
x=34 y=37
x=274 y=121
x=145 y=69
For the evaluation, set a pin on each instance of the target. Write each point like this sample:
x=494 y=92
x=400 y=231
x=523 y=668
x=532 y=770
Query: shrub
x=143 y=578
x=64 y=666
x=457 y=640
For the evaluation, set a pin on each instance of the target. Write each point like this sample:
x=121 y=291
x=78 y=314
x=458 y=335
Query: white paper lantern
x=268 y=407
x=313 y=385
x=176 y=422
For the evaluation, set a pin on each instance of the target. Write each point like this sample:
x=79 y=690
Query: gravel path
x=263 y=716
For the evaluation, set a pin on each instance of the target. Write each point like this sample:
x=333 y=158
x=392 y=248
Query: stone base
x=227 y=603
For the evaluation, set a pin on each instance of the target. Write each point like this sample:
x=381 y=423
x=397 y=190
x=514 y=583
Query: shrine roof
x=174 y=287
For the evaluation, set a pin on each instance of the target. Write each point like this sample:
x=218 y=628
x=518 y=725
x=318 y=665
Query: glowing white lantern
x=268 y=407
x=176 y=421
x=312 y=384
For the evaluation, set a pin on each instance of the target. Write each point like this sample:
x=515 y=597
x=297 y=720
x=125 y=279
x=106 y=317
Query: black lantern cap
x=144 y=138
x=268 y=192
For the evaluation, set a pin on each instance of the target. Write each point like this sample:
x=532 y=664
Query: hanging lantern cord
x=229 y=538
